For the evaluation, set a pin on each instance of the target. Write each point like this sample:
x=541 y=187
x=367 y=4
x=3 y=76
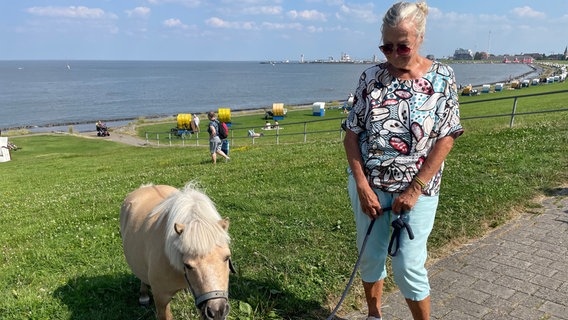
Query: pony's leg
x=162 y=302
x=144 y=298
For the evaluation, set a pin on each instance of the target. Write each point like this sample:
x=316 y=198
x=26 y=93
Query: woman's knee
x=411 y=276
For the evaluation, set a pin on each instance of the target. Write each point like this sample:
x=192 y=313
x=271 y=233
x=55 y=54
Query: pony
x=174 y=239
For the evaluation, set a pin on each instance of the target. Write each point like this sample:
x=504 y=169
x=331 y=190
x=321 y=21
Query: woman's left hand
x=407 y=199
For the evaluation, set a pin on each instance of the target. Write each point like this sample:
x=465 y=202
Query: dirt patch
x=125 y=138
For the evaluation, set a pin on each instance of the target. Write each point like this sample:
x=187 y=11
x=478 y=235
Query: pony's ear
x=224 y=224
x=179 y=228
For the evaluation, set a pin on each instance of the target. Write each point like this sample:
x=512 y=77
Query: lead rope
x=398 y=225
x=332 y=315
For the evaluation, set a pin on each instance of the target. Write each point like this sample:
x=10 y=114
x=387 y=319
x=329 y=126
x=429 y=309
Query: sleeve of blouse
x=356 y=117
x=448 y=113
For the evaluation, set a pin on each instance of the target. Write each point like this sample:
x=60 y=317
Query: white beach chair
x=4 y=151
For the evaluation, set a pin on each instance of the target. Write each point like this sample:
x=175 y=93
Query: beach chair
x=318 y=109
x=485 y=88
x=4 y=150
x=525 y=83
x=498 y=87
x=278 y=111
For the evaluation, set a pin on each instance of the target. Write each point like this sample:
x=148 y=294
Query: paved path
x=518 y=271
x=117 y=137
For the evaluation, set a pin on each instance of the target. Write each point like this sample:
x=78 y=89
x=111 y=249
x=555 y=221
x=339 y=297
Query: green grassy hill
x=291 y=222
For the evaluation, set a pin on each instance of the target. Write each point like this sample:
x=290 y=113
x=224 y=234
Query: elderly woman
x=403 y=124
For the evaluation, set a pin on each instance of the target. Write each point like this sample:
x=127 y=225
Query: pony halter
x=215 y=294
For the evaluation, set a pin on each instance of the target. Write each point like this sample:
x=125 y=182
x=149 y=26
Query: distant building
x=481 y=55
x=345 y=57
x=536 y=56
x=527 y=59
x=463 y=54
x=558 y=56
x=515 y=59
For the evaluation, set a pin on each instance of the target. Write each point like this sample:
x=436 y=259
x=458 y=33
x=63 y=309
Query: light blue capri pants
x=408 y=267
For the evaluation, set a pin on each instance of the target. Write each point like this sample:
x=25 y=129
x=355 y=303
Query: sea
x=52 y=95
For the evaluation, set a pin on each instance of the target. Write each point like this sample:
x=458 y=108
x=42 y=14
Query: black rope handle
x=398 y=225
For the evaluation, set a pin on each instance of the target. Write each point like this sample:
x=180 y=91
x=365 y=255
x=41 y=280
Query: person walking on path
x=214 y=140
x=403 y=124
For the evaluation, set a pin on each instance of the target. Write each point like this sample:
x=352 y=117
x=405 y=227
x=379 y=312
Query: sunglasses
x=401 y=49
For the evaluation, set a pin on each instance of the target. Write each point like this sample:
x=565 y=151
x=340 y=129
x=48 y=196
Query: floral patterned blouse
x=399 y=121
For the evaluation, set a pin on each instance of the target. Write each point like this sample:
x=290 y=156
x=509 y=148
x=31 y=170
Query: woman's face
x=401 y=44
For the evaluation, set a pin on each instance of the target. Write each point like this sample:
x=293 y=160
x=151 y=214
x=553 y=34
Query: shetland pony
x=174 y=239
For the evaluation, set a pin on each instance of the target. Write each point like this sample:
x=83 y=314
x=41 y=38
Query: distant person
x=267 y=126
x=403 y=124
x=196 y=122
x=214 y=140
x=253 y=134
x=348 y=104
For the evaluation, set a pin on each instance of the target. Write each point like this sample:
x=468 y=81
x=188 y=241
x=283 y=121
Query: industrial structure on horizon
x=459 y=54
x=466 y=54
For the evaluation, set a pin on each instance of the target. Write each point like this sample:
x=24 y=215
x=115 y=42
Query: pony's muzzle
x=215 y=309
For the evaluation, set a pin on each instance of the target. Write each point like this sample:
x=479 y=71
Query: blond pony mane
x=202 y=231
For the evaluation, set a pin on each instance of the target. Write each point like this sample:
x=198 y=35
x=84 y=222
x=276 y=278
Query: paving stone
x=551 y=295
x=546 y=281
x=479 y=273
x=557 y=310
x=517 y=285
x=469 y=308
x=515 y=272
x=523 y=312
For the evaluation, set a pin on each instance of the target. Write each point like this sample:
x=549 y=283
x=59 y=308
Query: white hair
x=415 y=12
x=202 y=225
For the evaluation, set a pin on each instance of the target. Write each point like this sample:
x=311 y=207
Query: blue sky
x=265 y=29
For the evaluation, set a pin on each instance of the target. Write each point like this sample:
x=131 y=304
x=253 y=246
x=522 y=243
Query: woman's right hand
x=369 y=201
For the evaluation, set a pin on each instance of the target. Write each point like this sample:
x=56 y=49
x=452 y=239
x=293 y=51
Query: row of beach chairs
x=498 y=87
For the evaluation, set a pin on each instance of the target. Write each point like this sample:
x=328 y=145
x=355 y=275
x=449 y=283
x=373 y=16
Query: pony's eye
x=188 y=266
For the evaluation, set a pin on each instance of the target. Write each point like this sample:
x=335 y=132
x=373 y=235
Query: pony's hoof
x=144 y=301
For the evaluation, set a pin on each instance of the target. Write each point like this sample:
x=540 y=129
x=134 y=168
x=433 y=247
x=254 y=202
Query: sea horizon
x=45 y=94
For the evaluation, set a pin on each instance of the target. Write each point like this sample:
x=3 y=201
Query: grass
x=505 y=107
x=291 y=224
